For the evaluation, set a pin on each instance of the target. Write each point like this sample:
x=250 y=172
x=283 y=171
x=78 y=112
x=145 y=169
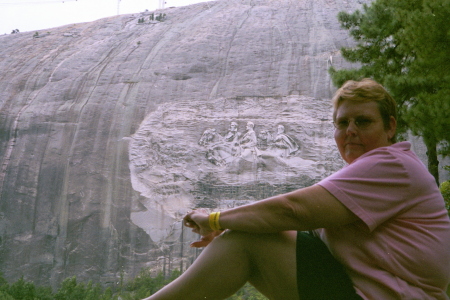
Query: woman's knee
x=271 y=260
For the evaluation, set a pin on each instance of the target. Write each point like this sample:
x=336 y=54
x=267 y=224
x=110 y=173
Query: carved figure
x=209 y=136
x=221 y=150
x=247 y=144
x=265 y=138
x=283 y=144
x=233 y=135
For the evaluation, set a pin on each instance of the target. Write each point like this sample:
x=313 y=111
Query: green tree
x=22 y=289
x=146 y=284
x=403 y=45
x=5 y=296
x=445 y=191
x=247 y=292
x=4 y=286
x=72 y=290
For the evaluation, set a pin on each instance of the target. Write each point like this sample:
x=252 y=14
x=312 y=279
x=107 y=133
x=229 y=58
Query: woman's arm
x=305 y=209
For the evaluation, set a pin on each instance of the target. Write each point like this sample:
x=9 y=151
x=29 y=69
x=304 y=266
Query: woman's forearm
x=265 y=216
x=304 y=209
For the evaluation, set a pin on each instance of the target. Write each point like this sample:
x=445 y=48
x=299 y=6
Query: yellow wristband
x=214 y=221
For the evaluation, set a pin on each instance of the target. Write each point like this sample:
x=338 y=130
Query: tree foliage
x=404 y=45
x=247 y=292
x=445 y=191
x=142 y=286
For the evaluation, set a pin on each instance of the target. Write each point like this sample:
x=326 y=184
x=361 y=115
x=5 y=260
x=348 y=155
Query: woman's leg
x=268 y=261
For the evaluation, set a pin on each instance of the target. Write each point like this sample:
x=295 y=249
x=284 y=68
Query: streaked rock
x=100 y=124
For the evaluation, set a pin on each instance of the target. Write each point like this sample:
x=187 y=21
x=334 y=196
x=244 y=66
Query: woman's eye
x=341 y=124
x=363 y=123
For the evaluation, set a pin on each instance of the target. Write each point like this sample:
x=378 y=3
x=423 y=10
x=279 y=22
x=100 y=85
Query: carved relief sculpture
x=224 y=150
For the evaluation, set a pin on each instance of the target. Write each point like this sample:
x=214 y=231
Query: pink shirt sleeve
x=375 y=187
x=405 y=255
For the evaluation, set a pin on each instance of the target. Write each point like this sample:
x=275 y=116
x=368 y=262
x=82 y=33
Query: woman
x=379 y=228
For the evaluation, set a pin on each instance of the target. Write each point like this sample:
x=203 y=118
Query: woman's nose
x=352 y=128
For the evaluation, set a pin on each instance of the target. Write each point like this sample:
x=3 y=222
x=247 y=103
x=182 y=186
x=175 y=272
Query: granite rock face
x=111 y=130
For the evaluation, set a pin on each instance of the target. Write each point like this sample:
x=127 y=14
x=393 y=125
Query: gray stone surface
x=101 y=123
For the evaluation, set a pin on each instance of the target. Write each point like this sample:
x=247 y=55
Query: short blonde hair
x=367 y=90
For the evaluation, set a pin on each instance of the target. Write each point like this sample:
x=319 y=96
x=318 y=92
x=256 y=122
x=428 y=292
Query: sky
x=35 y=15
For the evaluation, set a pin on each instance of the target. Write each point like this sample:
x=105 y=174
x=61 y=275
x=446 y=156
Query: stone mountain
x=111 y=130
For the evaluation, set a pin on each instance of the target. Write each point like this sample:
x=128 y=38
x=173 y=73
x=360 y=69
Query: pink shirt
x=400 y=247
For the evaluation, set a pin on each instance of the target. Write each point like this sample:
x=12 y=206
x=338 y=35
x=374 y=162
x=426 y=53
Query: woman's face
x=360 y=128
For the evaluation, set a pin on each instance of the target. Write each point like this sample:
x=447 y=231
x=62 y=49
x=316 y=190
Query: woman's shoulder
x=396 y=156
x=401 y=149
x=395 y=164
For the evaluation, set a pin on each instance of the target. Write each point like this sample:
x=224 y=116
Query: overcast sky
x=34 y=15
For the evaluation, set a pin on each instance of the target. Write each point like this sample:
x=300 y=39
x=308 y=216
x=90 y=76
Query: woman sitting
x=378 y=228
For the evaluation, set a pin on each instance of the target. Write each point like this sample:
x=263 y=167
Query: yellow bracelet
x=214 y=221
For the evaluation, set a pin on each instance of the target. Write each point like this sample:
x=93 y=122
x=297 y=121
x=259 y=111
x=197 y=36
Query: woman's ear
x=392 y=127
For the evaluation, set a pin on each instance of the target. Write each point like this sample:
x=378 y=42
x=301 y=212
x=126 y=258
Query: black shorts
x=319 y=275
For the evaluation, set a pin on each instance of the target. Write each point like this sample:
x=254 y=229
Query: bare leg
x=265 y=260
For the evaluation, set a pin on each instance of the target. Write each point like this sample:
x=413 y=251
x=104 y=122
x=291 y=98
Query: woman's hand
x=198 y=220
